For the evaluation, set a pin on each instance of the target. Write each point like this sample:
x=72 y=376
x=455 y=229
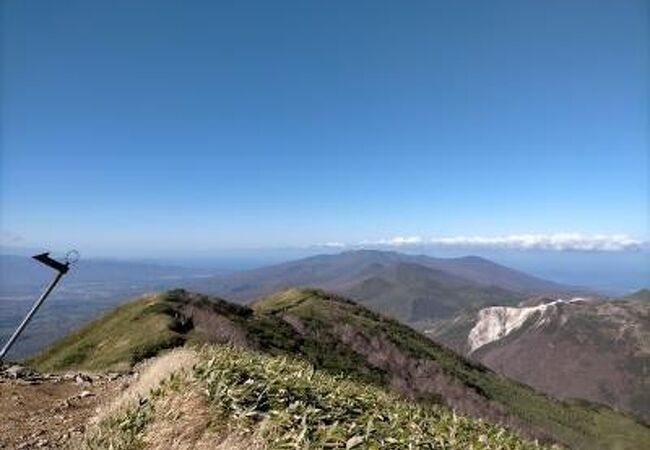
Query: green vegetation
x=117 y=340
x=412 y=292
x=578 y=424
x=284 y=403
x=340 y=337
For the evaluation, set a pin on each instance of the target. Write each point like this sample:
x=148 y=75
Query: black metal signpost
x=61 y=269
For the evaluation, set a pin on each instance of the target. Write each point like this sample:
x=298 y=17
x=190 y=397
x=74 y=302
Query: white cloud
x=549 y=242
x=401 y=240
x=558 y=242
x=331 y=244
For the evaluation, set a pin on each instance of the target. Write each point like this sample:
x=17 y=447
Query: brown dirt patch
x=49 y=413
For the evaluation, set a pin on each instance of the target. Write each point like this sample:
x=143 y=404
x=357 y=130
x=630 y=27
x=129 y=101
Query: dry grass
x=183 y=422
x=149 y=376
x=179 y=422
x=233 y=399
x=181 y=419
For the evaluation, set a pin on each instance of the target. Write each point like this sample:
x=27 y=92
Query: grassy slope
x=115 y=341
x=577 y=424
x=162 y=321
x=280 y=402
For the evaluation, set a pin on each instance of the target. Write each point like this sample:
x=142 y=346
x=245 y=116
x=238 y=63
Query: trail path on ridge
x=46 y=411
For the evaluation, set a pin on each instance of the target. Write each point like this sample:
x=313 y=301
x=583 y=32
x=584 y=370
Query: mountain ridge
x=339 y=336
x=430 y=288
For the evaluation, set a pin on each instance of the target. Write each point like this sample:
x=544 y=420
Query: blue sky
x=152 y=127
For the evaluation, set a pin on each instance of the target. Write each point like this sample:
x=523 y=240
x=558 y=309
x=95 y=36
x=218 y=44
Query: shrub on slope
x=280 y=402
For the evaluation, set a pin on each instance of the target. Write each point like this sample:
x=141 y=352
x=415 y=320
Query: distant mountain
x=413 y=292
x=408 y=287
x=338 y=336
x=599 y=351
x=488 y=273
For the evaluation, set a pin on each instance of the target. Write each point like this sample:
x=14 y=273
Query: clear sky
x=142 y=126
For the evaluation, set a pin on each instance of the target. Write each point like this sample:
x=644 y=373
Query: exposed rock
x=81 y=378
x=17 y=371
x=112 y=376
x=578 y=348
x=496 y=322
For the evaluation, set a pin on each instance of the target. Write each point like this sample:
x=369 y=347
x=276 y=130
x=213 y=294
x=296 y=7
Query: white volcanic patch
x=497 y=322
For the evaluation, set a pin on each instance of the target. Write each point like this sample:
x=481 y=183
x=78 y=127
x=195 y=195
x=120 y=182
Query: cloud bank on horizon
x=548 y=242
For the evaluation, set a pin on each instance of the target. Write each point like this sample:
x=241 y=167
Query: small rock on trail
x=48 y=410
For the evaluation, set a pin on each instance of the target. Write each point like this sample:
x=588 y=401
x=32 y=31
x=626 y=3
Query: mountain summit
x=407 y=287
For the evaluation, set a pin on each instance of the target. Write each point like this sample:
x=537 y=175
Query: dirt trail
x=46 y=411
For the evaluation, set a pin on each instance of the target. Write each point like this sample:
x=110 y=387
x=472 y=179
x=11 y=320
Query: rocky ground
x=48 y=410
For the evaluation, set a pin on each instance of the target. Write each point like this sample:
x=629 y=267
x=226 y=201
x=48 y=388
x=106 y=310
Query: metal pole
x=29 y=315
